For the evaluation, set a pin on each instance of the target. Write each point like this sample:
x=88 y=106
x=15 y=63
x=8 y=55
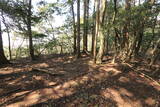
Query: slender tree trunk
x=9 y=41
x=134 y=3
x=87 y=22
x=97 y=4
x=78 y=29
x=115 y=37
x=101 y=48
x=31 y=49
x=85 y=27
x=61 y=51
x=3 y=59
x=156 y=52
x=93 y=29
x=100 y=32
x=74 y=28
x=107 y=43
x=125 y=42
x=140 y=37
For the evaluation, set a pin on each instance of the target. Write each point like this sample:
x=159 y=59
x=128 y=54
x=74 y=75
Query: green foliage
x=39 y=35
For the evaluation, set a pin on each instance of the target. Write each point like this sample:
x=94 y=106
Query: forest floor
x=64 y=81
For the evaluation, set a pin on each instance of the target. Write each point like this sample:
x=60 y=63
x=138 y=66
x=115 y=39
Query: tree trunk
x=138 y=45
x=101 y=48
x=156 y=52
x=107 y=43
x=100 y=32
x=74 y=28
x=3 y=59
x=97 y=4
x=93 y=29
x=31 y=49
x=78 y=29
x=9 y=39
x=85 y=27
x=125 y=42
x=87 y=22
x=116 y=34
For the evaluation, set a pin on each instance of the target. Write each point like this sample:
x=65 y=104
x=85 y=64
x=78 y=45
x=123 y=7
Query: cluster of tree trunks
x=126 y=43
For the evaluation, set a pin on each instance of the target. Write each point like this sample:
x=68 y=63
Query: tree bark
x=100 y=32
x=156 y=52
x=97 y=4
x=78 y=29
x=85 y=27
x=3 y=59
x=29 y=24
x=93 y=29
x=125 y=42
x=9 y=39
x=116 y=34
x=138 y=45
x=74 y=28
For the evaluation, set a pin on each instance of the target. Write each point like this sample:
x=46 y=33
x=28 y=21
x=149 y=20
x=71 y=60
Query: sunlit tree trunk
x=74 y=28
x=156 y=52
x=97 y=4
x=3 y=59
x=78 y=28
x=9 y=41
x=101 y=35
x=29 y=24
x=115 y=37
x=125 y=42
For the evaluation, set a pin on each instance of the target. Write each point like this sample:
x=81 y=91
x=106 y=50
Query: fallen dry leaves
x=83 y=84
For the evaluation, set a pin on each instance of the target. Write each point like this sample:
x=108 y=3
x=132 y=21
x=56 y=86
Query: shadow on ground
x=83 y=84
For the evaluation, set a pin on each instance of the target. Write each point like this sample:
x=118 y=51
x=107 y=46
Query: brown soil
x=79 y=83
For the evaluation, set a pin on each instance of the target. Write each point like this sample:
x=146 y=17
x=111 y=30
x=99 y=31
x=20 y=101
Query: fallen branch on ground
x=47 y=71
x=145 y=75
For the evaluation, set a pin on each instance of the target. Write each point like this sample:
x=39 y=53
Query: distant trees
x=125 y=29
x=122 y=26
x=21 y=15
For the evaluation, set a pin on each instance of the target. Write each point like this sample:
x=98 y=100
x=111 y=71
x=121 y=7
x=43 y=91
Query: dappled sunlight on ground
x=82 y=84
x=41 y=65
x=117 y=97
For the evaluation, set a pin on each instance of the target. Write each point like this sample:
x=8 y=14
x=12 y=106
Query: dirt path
x=82 y=84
